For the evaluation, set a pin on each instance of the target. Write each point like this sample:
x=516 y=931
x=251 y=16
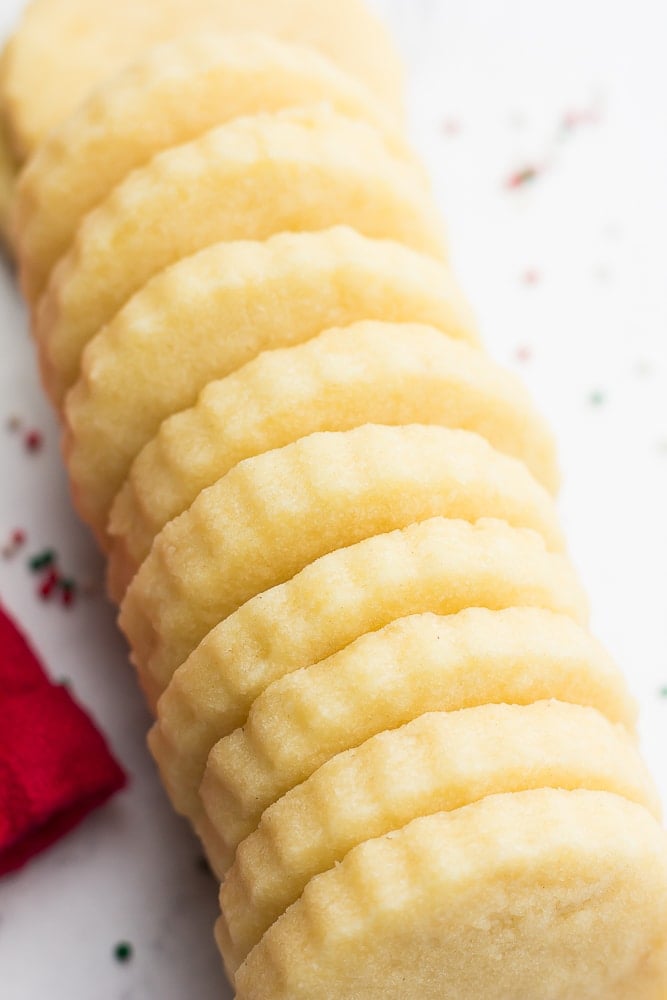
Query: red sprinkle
x=572 y=119
x=530 y=277
x=68 y=591
x=33 y=441
x=49 y=584
x=15 y=542
x=524 y=353
x=51 y=579
x=451 y=126
x=521 y=177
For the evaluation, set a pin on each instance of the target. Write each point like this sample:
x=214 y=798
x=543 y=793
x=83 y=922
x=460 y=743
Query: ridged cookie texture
x=183 y=89
x=439 y=762
x=64 y=49
x=440 y=566
x=273 y=514
x=369 y=372
x=555 y=894
x=385 y=679
x=329 y=516
x=210 y=314
x=247 y=179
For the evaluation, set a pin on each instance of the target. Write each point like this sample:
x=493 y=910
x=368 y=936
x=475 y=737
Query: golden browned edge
x=9 y=169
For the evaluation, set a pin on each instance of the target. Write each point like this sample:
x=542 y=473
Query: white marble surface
x=569 y=269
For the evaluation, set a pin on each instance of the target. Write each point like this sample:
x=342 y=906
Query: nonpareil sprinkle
x=521 y=177
x=530 y=276
x=643 y=368
x=33 y=441
x=573 y=119
x=68 y=591
x=48 y=584
x=42 y=560
x=14 y=544
x=451 y=127
x=52 y=581
x=123 y=952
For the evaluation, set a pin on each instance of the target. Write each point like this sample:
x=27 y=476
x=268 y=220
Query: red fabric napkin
x=55 y=766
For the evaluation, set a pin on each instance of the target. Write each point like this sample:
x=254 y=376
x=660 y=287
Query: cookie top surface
x=210 y=314
x=40 y=88
x=546 y=893
x=183 y=89
x=383 y=680
x=439 y=762
x=274 y=514
x=292 y=171
x=369 y=372
x=440 y=566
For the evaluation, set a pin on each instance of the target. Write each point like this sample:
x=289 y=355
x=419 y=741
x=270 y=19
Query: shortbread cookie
x=63 y=49
x=367 y=373
x=549 y=894
x=383 y=680
x=8 y=170
x=276 y=513
x=440 y=565
x=183 y=89
x=211 y=314
x=440 y=762
x=7 y=183
x=248 y=179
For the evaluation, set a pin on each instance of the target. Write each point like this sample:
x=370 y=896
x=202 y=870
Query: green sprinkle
x=597 y=398
x=521 y=177
x=42 y=560
x=663 y=692
x=123 y=952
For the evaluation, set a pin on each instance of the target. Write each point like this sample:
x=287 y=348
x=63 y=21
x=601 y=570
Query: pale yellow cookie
x=274 y=514
x=440 y=762
x=212 y=313
x=251 y=178
x=367 y=373
x=8 y=169
x=63 y=49
x=420 y=664
x=7 y=187
x=440 y=565
x=539 y=895
x=182 y=89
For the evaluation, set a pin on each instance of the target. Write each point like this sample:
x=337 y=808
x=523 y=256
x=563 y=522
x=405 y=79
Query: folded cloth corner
x=55 y=765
